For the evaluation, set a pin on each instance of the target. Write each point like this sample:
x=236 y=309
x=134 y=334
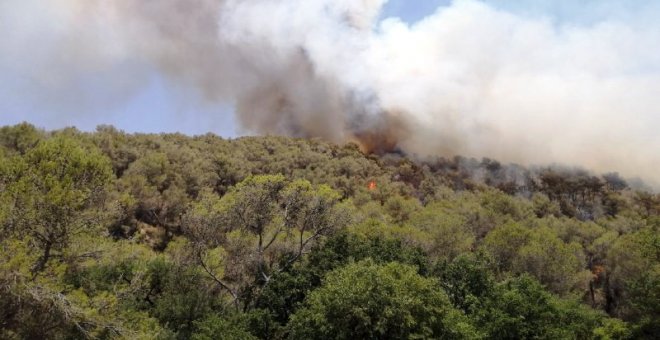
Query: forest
x=111 y=235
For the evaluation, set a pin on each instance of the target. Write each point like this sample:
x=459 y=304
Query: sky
x=159 y=106
x=156 y=107
x=528 y=81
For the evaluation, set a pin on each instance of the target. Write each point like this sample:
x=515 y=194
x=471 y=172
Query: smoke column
x=469 y=79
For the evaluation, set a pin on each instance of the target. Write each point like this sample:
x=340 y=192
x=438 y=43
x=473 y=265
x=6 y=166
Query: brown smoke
x=383 y=134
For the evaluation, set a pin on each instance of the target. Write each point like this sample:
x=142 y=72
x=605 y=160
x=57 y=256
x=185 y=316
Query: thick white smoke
x=469 y=79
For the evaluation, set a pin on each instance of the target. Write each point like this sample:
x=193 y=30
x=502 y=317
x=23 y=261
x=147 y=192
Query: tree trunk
x=43 y=260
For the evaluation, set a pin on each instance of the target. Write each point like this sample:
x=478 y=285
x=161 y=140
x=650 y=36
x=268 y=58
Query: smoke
x=469 y=79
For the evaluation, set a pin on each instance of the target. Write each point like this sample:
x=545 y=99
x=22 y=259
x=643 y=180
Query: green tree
x=447 y=234
x=467 y=280
x=215 y=327
x=559 y=266
x=633 y=280
x=504 y=242
x=288 y=289
x=520 y=308
x=267 y=225
x=540 y=252
x=54 y=193
x=369 y=301
x=19 y=138
x=400 y=208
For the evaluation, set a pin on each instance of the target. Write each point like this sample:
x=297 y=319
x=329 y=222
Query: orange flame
x=372 y=185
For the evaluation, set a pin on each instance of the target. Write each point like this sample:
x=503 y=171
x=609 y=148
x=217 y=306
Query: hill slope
x=113 y=235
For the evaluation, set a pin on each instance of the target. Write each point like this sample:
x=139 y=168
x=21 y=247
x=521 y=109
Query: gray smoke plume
x=468 y=79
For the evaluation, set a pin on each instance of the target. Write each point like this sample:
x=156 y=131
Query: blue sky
x=159 y=107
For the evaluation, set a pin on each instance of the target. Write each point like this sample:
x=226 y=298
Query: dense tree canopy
x=112 y=235
x=368 y=301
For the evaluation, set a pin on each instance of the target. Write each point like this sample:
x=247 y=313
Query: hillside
x=139 y=236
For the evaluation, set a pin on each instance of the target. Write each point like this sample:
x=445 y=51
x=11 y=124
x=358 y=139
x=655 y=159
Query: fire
x=372 y=185
x=382 y=134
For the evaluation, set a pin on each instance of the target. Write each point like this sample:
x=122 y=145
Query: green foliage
x=447 y=235
x=264 y=225
x=467 y=281
x=180 y=299
x=504 y=243
x=559 y=266
x=214 y=327
x=51 y=192
x=400 y=209
x=346 y=247
x=539 y=252
x=287 y=289
x=369 y=301
x=521 y=309
x=138 y=236
x=67 y=302
x=634 y=280
x=612 y=329
x=544 y=207
x=19 y=138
